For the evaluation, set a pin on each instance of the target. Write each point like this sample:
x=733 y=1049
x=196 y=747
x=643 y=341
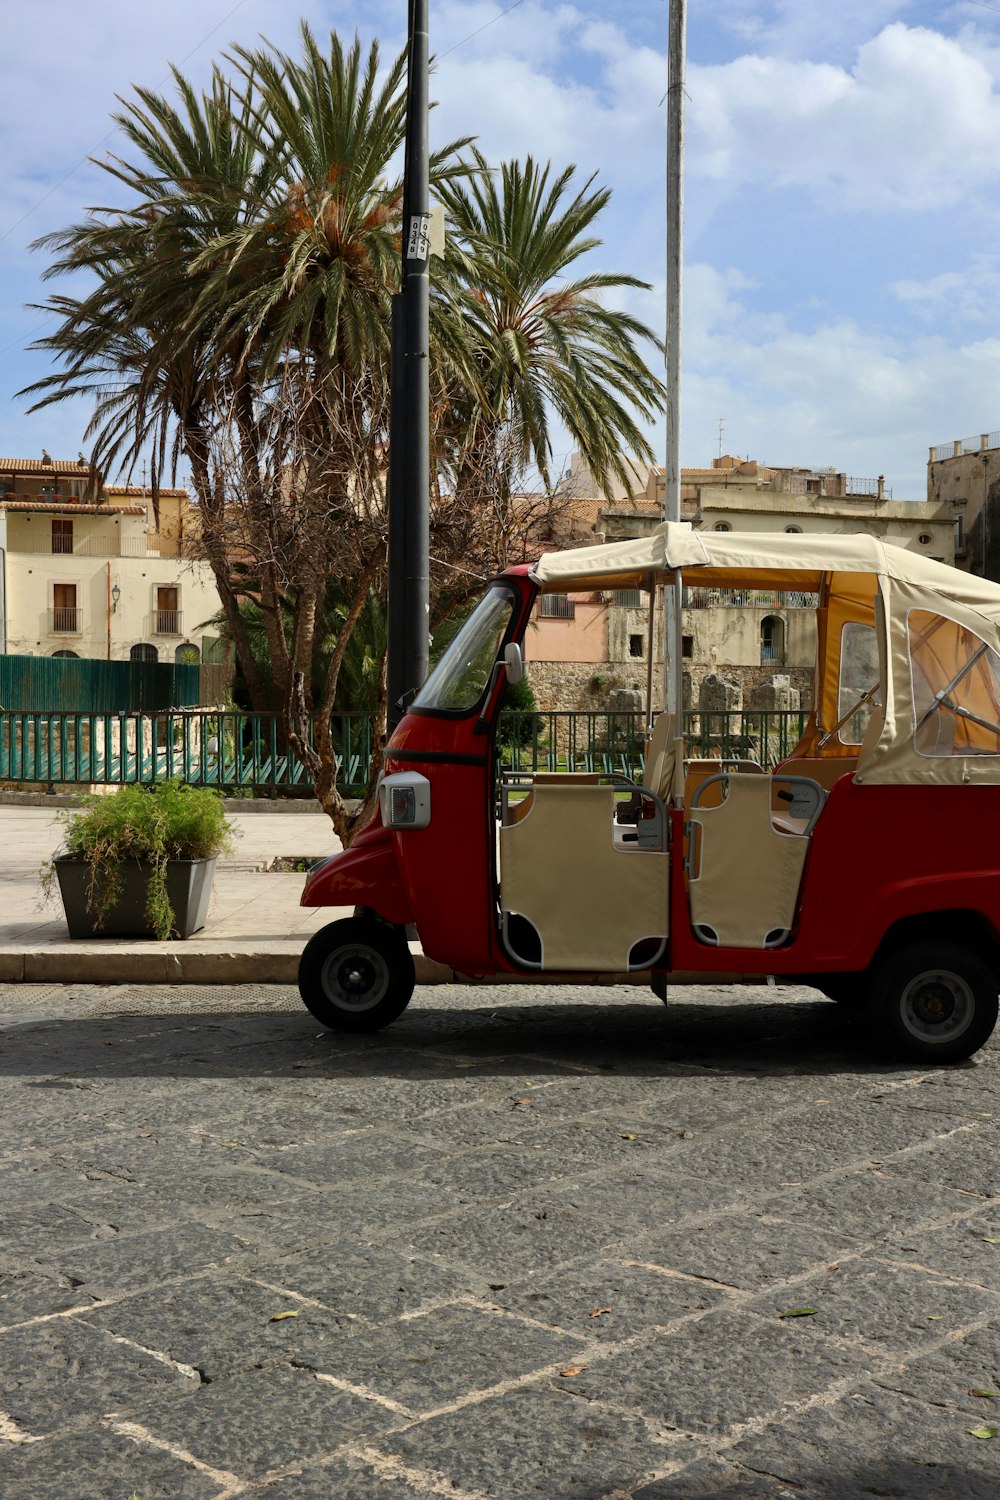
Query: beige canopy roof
x=795 y=560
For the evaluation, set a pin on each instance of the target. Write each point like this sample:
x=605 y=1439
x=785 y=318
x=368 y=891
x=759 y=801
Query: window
x=72 y=654
x=144 y=652
x=956 y=688
x=772 y=641
x=925 y=539
x=859 y=674
x=687 y=645
x=812 y=486
x=628 y=598
x=65 y=615
x=168 y=619
x=187 y=655
x=463 y=672
x=635 y=645
x=557 y=607
x=62 y=534
x=722 y=526
x=959 y=536
x=794 y=529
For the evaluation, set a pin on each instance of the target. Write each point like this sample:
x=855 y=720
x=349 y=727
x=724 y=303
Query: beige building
x=763 y=643
x=91 y=575
x=965 y=474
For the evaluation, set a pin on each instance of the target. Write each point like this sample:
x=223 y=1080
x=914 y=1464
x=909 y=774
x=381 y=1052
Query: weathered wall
x=580 y=686
x=583 y=638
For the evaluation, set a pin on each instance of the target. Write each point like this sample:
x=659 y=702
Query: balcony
x=65 y=621
x=702 y=598
x=94 y=546
x=166 y=622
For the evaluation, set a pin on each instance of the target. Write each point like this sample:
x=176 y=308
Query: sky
x=842 y=191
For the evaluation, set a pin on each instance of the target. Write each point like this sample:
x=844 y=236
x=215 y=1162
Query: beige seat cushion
x=748 y=874
x=588 y=901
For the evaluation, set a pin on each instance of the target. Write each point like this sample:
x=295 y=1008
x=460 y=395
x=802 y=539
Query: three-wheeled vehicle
x=867 y=864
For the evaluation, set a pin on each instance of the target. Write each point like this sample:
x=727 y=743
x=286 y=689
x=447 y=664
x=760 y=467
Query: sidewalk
x=256 y=928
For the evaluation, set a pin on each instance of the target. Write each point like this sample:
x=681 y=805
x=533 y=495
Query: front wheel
x=356 y=975
x=935 y=1002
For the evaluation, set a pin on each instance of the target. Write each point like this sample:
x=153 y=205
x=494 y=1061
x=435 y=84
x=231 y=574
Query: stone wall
x=799 y=679
x=587 y=686
x=579 y=685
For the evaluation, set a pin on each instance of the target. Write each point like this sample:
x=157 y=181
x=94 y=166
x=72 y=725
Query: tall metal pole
x=673 y=685
x=409 y=454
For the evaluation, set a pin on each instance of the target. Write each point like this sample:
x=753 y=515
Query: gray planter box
x=189 y=886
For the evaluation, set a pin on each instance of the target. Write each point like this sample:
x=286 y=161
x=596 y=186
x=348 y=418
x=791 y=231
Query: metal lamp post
x=409 y=419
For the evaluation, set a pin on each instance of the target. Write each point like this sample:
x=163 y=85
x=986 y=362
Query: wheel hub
x=355 y=977
x=937 y=1006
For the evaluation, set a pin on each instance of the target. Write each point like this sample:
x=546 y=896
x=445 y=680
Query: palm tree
x=541 y=341
x=239 y=320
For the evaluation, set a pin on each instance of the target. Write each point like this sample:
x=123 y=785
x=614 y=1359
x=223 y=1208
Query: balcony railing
x=96 y=546
x=66 y=621
x=701 y=598
x=166 y=622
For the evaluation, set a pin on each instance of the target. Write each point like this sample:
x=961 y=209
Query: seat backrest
x=589 y=900
x=745 y=886
x=658 y=762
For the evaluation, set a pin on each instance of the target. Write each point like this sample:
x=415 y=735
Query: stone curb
x=119 y=963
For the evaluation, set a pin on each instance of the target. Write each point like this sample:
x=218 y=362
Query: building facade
x=753 y=650
x=965 y=474
x=92 y=574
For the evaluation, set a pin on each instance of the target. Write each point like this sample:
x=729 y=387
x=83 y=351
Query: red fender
x=366 y=874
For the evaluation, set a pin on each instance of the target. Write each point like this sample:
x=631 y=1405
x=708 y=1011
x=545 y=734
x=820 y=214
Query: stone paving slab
x=536 y=1245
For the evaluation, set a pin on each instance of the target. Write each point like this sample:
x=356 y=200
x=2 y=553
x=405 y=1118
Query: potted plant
x=140 y=862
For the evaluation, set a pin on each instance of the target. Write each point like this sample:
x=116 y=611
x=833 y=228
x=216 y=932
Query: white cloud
x=835 y=393
x=915 y=122
x=963 y=296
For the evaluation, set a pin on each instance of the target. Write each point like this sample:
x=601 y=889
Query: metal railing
x=702 y=598
x=236 y=750
x=228 y=750
x=95 y=546
x=166 y=622
x=957 y=447
x=66 y=620
x=615 y=742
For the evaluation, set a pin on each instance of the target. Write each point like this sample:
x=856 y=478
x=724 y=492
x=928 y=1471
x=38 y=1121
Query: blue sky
x=843 y=168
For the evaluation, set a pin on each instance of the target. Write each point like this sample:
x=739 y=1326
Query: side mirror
x=513 y=663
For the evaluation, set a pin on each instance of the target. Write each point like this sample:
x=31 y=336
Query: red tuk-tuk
x=867 y=864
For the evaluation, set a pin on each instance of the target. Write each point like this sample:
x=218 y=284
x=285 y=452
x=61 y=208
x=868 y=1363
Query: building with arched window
x=95 y=574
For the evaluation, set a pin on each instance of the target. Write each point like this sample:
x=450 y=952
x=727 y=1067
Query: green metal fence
x=243 y=750
x=86 y=685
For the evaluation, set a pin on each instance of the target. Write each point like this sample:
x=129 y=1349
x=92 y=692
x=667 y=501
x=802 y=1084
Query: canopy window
x=860 y=689
x=955 y=678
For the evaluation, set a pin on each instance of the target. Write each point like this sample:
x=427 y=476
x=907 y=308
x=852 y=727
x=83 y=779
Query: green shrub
x=154 y=824
x=520 y=700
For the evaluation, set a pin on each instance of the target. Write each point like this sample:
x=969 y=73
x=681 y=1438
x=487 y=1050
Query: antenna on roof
x=722 y=424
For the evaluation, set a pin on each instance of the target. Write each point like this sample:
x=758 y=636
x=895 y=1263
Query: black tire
x=849 y=990
x=356 y=975
x=935 y=1002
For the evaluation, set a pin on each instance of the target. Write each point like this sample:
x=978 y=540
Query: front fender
x=366 y=874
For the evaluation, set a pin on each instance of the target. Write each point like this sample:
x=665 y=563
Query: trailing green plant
x=154 y=825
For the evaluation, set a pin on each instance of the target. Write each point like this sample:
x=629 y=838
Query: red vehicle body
x=889 y=869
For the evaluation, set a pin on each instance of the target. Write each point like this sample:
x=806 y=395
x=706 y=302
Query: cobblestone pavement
x=523 y=1243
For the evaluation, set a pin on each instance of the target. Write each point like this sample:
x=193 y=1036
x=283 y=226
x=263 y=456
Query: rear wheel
x=935 y=1001
x=356 y=975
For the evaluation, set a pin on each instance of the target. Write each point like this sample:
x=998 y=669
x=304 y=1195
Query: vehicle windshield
x=460 y=677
